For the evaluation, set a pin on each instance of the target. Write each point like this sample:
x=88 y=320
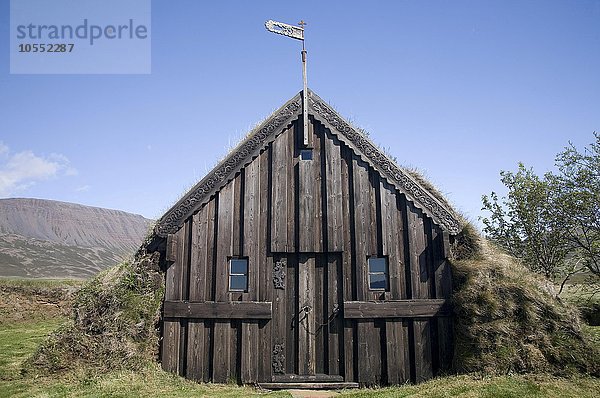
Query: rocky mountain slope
x=44 y=238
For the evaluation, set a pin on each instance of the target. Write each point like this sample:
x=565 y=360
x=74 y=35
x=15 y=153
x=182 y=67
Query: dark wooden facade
x=307 y=229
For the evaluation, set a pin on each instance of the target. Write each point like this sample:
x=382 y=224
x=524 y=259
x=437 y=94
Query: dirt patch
x=22 y=300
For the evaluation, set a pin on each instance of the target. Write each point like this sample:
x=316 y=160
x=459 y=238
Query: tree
x=577 y=197
x=551 y=222
x=524 y=223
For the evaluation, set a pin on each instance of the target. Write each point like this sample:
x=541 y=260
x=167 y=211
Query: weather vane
x=295 y=32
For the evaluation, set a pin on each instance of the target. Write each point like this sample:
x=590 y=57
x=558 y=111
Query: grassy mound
x=509 y=320
x=113 y=324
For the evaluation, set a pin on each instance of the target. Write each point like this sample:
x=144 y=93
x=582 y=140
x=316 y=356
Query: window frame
x=385 y=273
x=230 y=274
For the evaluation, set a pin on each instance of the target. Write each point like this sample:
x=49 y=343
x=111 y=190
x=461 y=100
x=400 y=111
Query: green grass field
x=20 y=337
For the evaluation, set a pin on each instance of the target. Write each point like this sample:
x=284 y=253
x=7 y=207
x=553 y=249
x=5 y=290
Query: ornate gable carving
x=258 y=139
x=394 y=174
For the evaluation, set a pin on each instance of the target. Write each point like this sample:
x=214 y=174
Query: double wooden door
x=307 y=319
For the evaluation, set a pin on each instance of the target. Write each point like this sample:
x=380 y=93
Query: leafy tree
x=525 y=224
x=577 y=200
x=551 y=222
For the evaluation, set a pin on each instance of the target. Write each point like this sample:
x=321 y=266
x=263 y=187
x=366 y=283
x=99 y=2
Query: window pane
x=239 y=266
x=377 y=281
x=377 y=265
x=238 y=282
x=306 y=154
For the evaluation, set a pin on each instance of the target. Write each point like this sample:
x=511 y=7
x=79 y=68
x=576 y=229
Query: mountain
x=50 y=239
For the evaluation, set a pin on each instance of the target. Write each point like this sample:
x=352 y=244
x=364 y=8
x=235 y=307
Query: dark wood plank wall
x=324 y=218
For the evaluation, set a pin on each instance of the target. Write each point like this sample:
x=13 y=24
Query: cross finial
x=302 y=23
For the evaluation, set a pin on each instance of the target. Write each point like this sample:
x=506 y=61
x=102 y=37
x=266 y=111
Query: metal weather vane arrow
x=295 y=32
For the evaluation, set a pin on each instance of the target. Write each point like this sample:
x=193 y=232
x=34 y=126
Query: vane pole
x=295 y=32
x=304 y=91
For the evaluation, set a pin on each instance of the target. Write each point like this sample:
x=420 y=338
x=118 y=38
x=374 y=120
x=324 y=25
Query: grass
x=18 y=341
x=508 y=320
x=20 y=338
x=509 y=386
x=147 y=382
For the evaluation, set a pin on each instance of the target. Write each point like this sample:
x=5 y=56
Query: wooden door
x=308 y=326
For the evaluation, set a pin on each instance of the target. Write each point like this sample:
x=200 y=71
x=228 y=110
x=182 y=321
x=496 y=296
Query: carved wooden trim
x=225 y=171
x=259 y=138
x=389 y=170
x=279 y=273
x=279 y=358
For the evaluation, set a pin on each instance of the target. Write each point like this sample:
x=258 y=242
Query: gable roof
x=264 y=134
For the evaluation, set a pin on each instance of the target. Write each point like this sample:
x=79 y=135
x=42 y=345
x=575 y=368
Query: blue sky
x=459 y=90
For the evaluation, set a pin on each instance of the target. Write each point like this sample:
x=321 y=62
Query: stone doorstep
x=308 y=385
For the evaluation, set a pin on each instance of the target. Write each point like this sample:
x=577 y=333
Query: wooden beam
x=218 y=310
x=396 y=309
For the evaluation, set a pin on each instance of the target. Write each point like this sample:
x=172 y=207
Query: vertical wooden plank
x=170 y=345
x=333 y=167
x=198 y=266
x=196 y=350
x=363 y=227
x=306 y=314
x=265 y=264
x=267 y=329
x=443 y=288
x=173 y=291
x=423 y=366
x=234 y=350
x=280 y=188
x=222 y=341
x=362 y=223
x=237 y=205
x=317 y=221
x=348 y=291
x=393 y=240
x=196 y=331
x=291 y=328
x=420 y=289
x=320 y=310
x=280 y=311
x=334 y=318
x=307 y=204
x=251 y=231
x=373 y=231
x=366 y=355
x=291 y=161
x=211 y=250
x=397 y=350
x=418 y=251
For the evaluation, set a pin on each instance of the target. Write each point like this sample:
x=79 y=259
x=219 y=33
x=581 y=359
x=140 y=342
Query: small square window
x=238 y=274
x=378 y=273
x=306 y=154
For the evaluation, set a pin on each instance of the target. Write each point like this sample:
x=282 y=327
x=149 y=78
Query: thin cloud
x=22 y=170
x=83 y=188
